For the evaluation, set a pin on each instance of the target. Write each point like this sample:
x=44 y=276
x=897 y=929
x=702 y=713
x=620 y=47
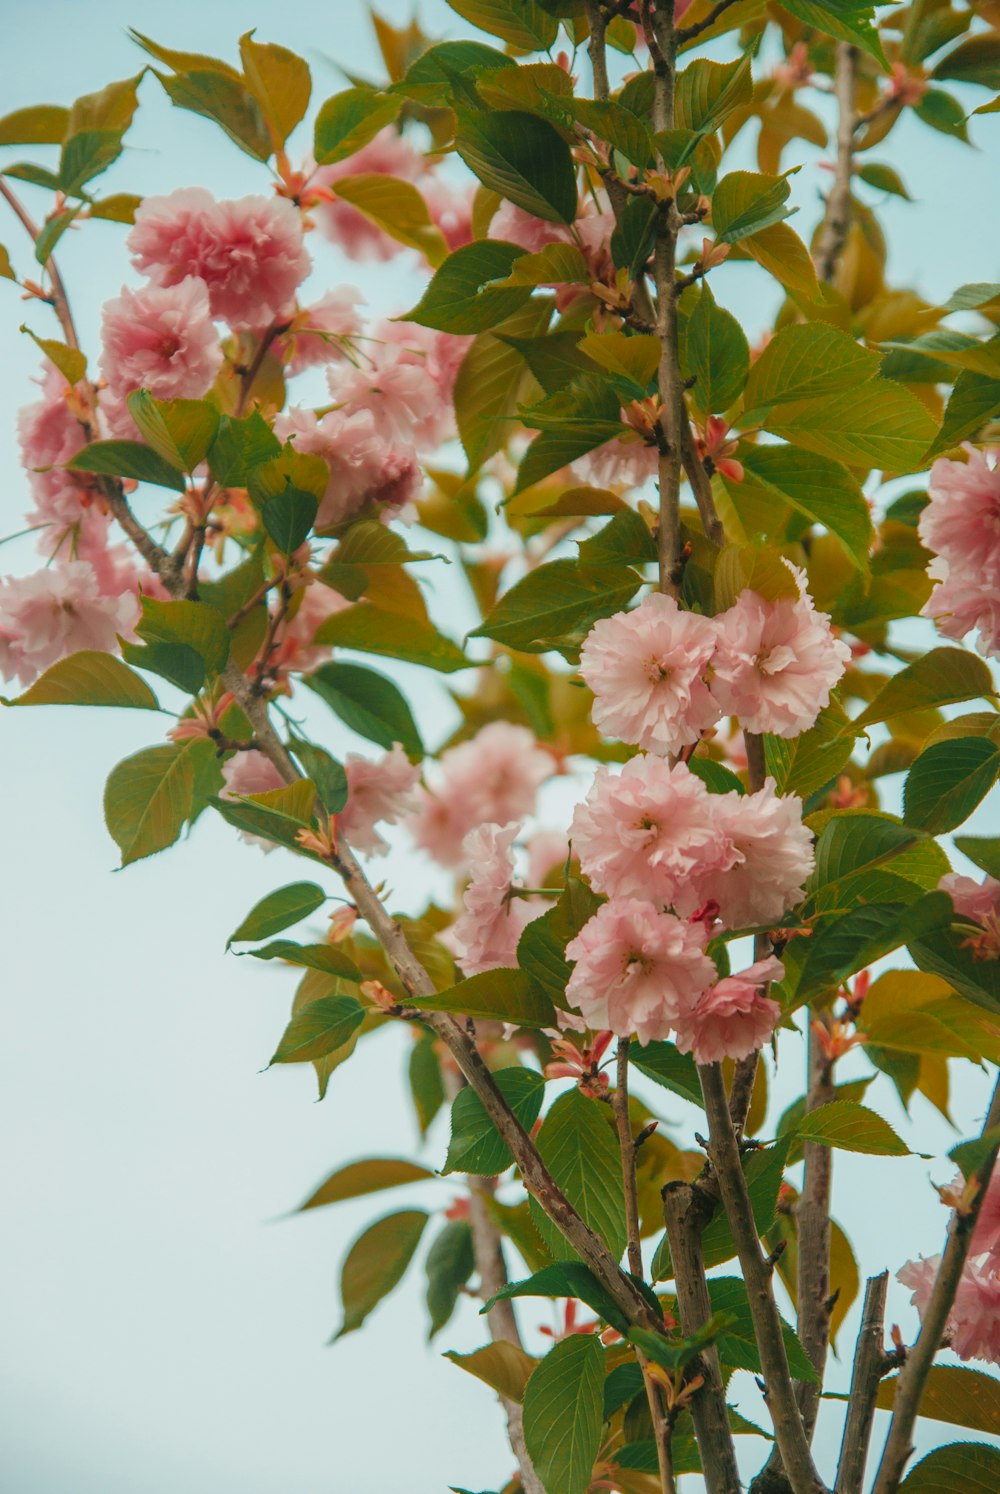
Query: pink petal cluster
x=389 y=154
x=366 y=469
x=160 y=338
x=973 y=1325
x=56 y=612
x=654 y=831
x=485 y=935
x=248 y=252
x=775 y=662
x=733 y=1018
x=379 y=792
x=647 y=671
x=49 y=434
x=405 y=377
x=977 y=901
x=250 y=773
x=617 y=464
x=492 y=778
x=297 y=652
x=317 y=334
x=961 y=524
x=637 y=970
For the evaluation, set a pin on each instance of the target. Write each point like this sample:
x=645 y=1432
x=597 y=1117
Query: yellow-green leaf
x=89 y=678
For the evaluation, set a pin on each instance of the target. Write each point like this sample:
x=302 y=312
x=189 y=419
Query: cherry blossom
x=405 y=377
x=379 y=791
x=732 y=1018
x=978 y=901
x=248 y=252
x=485 y=935
x=160 y=338
x=250 y=773
x=647 y=671
x=366 y=470
x=55 y=612
x=637 y=970
x=973 y=1325
x=961 y=525
x=776 y=662
x=318 y=333
x=389 y=154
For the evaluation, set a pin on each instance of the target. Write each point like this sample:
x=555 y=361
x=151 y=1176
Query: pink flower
x=976 y=901
x=962 y=519
x=389 y=154
x=451 y=209
x=49 y=434
x=317 y=333
x=974 y=1322
x=492 y=778
x=249 y=252
x=250 y=773
x=514 y=226
x=986 y=1236
x=617 y=464
x=161 y=339
x=646 y=669
x=297 y=652
x=637 y=970
x=366 y=469
x=56 y=612
x=648 y=830
x=378 y=792
x=776 y=663
x=485 y=935
x=405 y=378
x=962 y=603
x=731 y=1019
x=765 y=861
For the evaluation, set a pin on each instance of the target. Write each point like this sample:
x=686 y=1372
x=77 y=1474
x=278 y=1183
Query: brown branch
x=725 y=1156
x=913 y=1376
x=745 y=1076
x=866 y=1376
x=837 y=218
x=686 y=1210
x=688 y=33
x=813 y=1218
x=60 y=301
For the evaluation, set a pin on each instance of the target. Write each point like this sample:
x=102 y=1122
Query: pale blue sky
x=162 y=1332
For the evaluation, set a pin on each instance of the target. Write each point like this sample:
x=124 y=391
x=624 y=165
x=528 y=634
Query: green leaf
x=717 y=354
x=941 y=677
x=289 y=516
x=745 y=202
x=973 y=401
x=943 y=112
x=325 y=957
x=883 y=179
x=188 y=625
x=147 y=799
x=179 y=430
x=806 y=762
x=372 y=630
x=240 y=446
x=962 y=1468
x=864 y=934
x=450 y=1263
x=963 y=1397
x=706 y=93
x=71 y=363
x=944 y=952
x=476 y=1145
x=947 y=781
x=666 y=1065
x=764 y=1171
x=426 y=1084
x=91 y=678
x=398 y=209
x=717 y=778
x=624 y=131
x=523 y=158
x=277 y=815
x=975 y=60
x=431 y=77
x=278 y=911
x=882 y=425
x=855 y=842
x=351 y=119
x=566 y=1279
x=227 y=101
x=40 y=124
x=738 y=1344
x=846 y=19
x=376 y=1263
x=563 y=1414
x=971 y=1155
x=633 y=355
x=983 y=851
x=557 y=601
x=499 y=995
x=815 y=486
x=491 y=382
x=318 y=1029
x=804 y=361
x=369 y=703
x=83 y=157
x=503 y=1366
x=127 y=459
x=554 y=264
x=280 y=82
x=851 y=1127
x=580 y=1149
x=525 y=24
x=460 y=298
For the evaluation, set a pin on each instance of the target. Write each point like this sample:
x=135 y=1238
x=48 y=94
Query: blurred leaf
x=278 y=911
x=89 y=678
x=450 y=1263
x=503 y=1366
x=280 y=82
x=349 y=120
x=39 y=124
x=371 y=630
x=398 y=209
x=376 y=1263
x=372 y=1175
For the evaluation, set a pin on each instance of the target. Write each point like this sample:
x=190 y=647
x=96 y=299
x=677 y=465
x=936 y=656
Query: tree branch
x=686 y=1211
x=688 y=33
x=813 y=1218
x=866 y=1376
x=745 y=1076
x=725 y=1156
x=913 y=1376
x=837 y=218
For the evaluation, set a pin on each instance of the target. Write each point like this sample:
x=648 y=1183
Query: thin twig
x=745 y=1075
x=813 y=1219
x=866 y=1376
x=913 y=1376
x=688 y=33
x=837 y=219
x=686 y=1209
x=725 y=1156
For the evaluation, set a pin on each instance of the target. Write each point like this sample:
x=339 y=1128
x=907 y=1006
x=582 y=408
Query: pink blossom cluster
x=662 y=677
x=493 y=917
x=973 y=1326
x=961 y=525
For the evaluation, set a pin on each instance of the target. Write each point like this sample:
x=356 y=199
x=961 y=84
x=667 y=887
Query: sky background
x=164 y=1329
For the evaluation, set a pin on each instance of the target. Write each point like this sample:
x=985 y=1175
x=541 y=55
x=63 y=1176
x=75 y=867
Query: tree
x=702 y=650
